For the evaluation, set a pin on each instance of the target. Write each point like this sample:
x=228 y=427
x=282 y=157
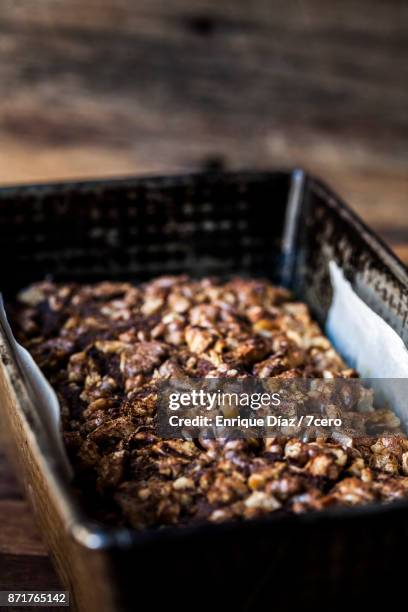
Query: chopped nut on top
x=105 y=347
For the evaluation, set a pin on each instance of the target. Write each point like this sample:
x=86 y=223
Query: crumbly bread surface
x=104 y=347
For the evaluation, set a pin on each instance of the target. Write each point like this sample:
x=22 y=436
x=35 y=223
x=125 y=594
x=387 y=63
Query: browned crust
x=104 y=347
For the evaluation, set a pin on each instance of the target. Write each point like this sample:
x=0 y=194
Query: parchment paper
x=45 y=398
x=368 y=344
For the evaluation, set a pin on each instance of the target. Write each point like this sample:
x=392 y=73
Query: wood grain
x=24 y=561
x=21 y=538
x=102 y=87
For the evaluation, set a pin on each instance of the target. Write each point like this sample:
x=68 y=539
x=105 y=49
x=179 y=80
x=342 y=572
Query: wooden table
x=96 y=87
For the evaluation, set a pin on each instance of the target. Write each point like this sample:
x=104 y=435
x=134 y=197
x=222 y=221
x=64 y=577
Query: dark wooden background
x=111 y=87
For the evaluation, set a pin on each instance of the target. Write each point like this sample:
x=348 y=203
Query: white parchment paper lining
x=364 y=339
x=45 y=398
x=368 y=344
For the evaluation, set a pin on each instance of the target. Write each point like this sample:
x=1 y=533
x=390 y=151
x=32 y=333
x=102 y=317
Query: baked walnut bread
x=105 y=347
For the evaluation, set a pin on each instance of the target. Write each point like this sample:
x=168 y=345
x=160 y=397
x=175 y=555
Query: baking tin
x=286 y=226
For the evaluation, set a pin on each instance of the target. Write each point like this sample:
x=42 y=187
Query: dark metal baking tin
x=282 y=225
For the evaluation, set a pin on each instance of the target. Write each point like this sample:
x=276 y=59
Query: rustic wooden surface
x=109 y=87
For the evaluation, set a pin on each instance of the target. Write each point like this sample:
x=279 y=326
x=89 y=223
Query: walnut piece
x=105 y=347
